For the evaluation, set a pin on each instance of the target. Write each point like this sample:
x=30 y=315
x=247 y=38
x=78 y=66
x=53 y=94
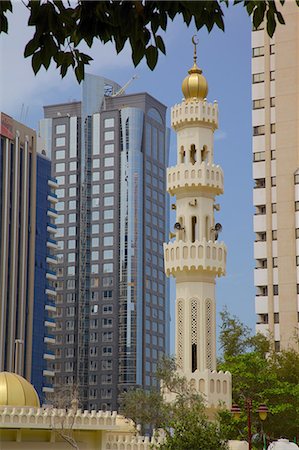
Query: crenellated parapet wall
x=202 y=255
x=125 y=442
x=194 y=112
x=49 y=418
x=200 y=175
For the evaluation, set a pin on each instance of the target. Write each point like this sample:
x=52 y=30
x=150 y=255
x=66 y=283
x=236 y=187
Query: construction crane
x=122 y=90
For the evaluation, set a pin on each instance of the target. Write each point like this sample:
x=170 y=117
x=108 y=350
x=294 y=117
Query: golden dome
x=16 y=391
x=195 y=85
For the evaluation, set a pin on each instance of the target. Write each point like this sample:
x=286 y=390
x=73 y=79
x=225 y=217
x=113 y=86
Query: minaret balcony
x=199 y=175
x=194 y=112
x=200 y=256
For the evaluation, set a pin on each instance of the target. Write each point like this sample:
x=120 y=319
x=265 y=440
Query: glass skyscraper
x=27 y=263
x=109 y=155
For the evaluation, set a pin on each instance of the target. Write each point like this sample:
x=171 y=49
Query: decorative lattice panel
x=209 y=334
x=180 y=330
x=194 y=321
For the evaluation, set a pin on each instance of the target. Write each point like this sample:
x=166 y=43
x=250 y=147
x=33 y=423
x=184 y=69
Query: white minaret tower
x=196 y=256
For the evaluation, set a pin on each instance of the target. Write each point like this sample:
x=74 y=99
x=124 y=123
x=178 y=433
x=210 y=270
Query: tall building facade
x=109 y=154
x=275 y=116
x=196 y=257
x=27 y=200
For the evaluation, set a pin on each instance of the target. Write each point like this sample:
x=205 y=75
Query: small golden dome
x=16 y=391
x=195 y=85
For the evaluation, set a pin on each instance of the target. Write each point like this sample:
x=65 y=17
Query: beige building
x=275 y=116
x=196 y=257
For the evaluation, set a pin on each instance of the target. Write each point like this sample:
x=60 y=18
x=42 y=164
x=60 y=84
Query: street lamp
x=262 y=410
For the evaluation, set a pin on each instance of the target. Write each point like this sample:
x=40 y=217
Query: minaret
x=196 y=257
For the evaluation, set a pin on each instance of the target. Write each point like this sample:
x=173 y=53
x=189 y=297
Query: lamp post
x=262 y=410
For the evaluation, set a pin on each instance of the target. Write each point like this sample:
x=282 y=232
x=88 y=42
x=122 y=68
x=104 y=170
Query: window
x=109 y=162
x=108 y=227
x=277 y=346
x=296 y=178
x=94 y=255
x=108 y=188
x=72 y=192
x=95 y=176
x=272 y=128
x=95 y=215
x=259 y=156
x=60 y=193
x=297 y=233
x=108 y=240
x=108 y=201
x=258 y=51
x=274 y=207
x=258 y=77
x=60 y=206
x=60 y=180
x=297 y=260
x=258 y=104
x=95 y=229
x=107 y=254
x=72 y=204
x=273 y=154
x=109 y=123
x=107 y=336
x=272 y=75
x=260 y=183
x=95 y=202
x=273 y=181
x=275 y=289
x=108 y=214
x=106 y=351
x=95 y=242
x=60 y=167
x=60 y=129
x=107 y=309
x=272 y=49
x=107 y=281
x=262 y=291
x=71 y=244
x=275 y=262
x=96 y=163
x=73 y=165
x=272 y=102
x=108 y=148
x=107 y=294
x=72 y=218
x=297 y=288
x=94 y=268
x=60 y=154
x=260 y=209
x=109 y=135
x=274 y=235
x=276 y=317
x=60 y=142
x=109 y=175
x=96 y=189
x=108 y=267
x=259 y=130
x=71 y=257
x=94 y=309
x=107 y=322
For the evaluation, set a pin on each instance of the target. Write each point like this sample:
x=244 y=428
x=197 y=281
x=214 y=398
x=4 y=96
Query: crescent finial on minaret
x=195 y=85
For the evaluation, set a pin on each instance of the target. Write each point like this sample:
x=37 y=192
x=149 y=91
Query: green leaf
x=271 y=23
x=31 y=47
x=79 y=72
x=36 y=62
x=4 y=7
x=160 y=44
x=151 y=54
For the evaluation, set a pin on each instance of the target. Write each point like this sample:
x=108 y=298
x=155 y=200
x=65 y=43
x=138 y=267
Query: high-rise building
x=109 y=154
x=27 y=198
x=196 y=256
x=275 y=95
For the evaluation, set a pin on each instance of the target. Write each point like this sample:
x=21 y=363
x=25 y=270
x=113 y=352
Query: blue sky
x=225 y=59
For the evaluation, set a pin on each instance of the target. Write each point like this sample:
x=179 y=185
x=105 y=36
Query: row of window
x=260 y=77
x=261 y=156
x=262 y=263
x=263 y=290
x=260 y=51
x=259 y=130
x=260 y=103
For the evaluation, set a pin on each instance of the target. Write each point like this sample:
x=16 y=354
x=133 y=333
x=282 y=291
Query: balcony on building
x=51 y=243
x=206 y=256
x=53 y=183
x=201 y=175
x=49 y=355
x=51 y=228
x=52 y=197
x=51 y=212
x=51 y=259
x=48 y=373
x=49 y=339
x=50 y=290
x=51 y=274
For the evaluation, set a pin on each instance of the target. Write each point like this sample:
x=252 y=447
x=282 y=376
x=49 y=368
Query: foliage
x=60 y=26
x=182 y=417
x=262 y=375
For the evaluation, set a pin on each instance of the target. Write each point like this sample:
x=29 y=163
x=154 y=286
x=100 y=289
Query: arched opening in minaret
x=182 y=155
x=193 y=155
x=194 y=357
x=204 y=153
x=193 y=228
x=181 y=232
x=207 y=228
